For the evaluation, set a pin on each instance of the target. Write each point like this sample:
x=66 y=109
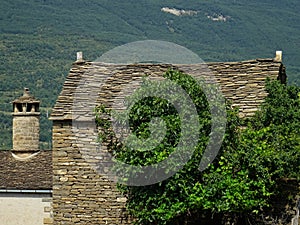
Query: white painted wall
x=23 y=209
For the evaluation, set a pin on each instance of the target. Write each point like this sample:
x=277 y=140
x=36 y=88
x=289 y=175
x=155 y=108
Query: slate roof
x=242 y=82
x=34 y=173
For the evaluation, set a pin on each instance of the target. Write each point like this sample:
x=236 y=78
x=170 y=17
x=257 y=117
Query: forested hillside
x=39 y=39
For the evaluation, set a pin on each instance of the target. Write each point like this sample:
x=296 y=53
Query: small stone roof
x=26 y=98
x=241 y=82
x=33 y=173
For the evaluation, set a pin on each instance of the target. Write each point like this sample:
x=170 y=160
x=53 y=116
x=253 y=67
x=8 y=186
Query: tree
x=241 y=179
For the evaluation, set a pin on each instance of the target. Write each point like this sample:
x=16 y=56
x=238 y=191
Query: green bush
x=242 y=178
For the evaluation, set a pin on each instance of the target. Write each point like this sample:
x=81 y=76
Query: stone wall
x=26 y=129
x=48 y=211
x=80 y=194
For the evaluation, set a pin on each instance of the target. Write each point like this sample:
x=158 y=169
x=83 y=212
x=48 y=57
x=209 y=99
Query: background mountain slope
x=39 y=39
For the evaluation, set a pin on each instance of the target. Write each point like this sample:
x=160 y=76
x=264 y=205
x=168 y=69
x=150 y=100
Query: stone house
x=81 y=195
x=31 y=179
x=25 y=171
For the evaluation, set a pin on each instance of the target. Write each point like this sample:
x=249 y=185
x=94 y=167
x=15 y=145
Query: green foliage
x=244 y=175
x=275 y=130
x=161 y=115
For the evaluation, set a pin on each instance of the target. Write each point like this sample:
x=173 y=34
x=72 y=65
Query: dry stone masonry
x=80 y=194
x=26 y=123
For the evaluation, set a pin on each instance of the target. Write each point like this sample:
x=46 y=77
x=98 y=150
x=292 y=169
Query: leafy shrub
x=241 y=179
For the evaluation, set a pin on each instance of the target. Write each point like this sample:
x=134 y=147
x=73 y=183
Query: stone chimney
x=26 y=123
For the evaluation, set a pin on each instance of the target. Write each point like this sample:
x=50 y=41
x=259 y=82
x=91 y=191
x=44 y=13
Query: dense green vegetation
x=243 y=178
x=39 y=39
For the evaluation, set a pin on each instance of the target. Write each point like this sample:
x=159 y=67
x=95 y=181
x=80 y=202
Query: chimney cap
x=26 y=98
x=79 y=57
x=26 y=92
x=278 y=56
